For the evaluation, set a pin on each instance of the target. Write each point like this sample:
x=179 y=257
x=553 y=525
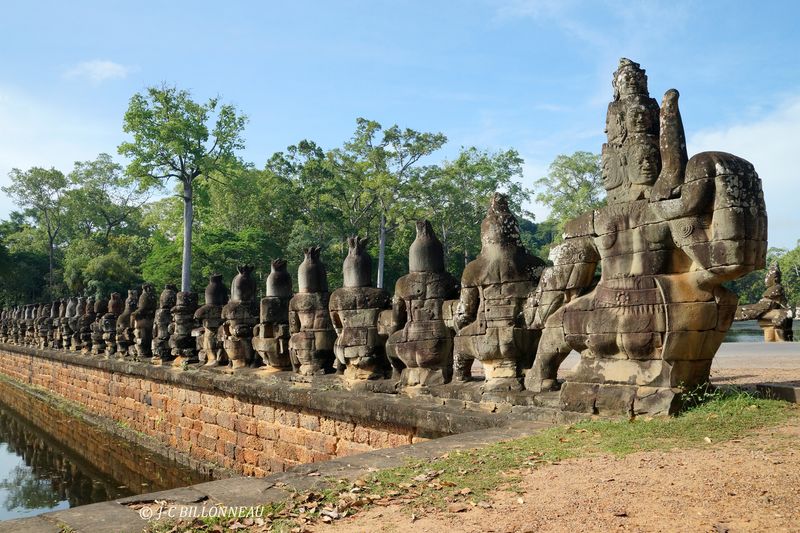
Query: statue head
x=116 y=304
x=147 y=299
x=100 y=305
x=216 y=291
x=186 y=300
x=629 y=79
x=243 y=286
x=311 y=275
x=500 y=227
x=773 y=276
x=132 y=300
x=357 y=266
x=643 y=161
x=279 y=282
x=168 y=296
x=426 y=253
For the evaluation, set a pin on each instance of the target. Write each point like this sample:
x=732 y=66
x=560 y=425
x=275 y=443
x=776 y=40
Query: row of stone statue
x=358 y=330
x=672 y=231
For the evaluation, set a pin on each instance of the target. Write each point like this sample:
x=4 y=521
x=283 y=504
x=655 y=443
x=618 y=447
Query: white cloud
x=770 y=143
x=98 y=71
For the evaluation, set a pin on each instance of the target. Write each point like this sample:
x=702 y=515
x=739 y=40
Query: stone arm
x=572 y=274
x=467 y=310
x=336 y=320
x=294 y=322
x=399 y=313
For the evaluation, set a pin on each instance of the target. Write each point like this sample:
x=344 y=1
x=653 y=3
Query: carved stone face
x=612 y=169
x=643 y=164
x=629 y=79
x=640 y=120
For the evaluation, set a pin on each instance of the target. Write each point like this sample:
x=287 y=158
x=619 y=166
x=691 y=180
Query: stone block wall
x=244 y=433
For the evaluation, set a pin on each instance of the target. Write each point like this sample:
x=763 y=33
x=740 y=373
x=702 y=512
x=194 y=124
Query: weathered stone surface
x=772 y=311
x=240 y=315
x=142 y=322
x=420 y=346
x=673 y=230
x=494 y=288
x=161 y=322
x=211 y=348
x=125 y=341
x=355 y=310
x=271 y=335
x=183 y=346
x=312 y=334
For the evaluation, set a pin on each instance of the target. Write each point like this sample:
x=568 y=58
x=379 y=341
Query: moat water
x=50 y=460
x=749 y=331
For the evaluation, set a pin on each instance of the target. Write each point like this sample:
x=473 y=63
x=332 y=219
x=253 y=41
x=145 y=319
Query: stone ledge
x=118 y=515
x=779 y=391
x=445 y=410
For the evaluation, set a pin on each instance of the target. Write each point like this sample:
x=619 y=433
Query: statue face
x=612 y=171
x=631 y=81
x=639 y=120
x=643 y=164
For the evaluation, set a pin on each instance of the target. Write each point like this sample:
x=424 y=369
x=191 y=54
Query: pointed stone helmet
x=311 y=275
x=243 y=286
x=216 y=291
x=357 y=266
x=500 y=226
x=279 y=281
x=426 y=253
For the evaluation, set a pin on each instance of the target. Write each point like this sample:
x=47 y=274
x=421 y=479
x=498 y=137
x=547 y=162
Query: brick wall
x=236 y=432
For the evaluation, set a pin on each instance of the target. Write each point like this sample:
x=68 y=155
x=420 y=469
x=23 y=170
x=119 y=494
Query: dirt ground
x=751 y=484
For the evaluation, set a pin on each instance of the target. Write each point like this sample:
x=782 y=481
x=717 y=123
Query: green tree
x=572 y=186
x=41 y=191
x=385 y=159
x=176 y=138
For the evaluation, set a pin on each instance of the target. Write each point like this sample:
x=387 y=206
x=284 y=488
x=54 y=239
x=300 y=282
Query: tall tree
x=387 y=160
x=175 y=137
x=572 y=186
x=41 y=192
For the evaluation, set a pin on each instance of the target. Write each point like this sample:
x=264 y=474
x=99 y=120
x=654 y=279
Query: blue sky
x=534 y=75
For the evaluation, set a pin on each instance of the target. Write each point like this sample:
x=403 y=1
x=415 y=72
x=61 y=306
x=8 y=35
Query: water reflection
x=49 y=460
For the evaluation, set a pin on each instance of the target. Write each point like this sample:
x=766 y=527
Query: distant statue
x=125 y=340
x=142 y=323
x=182 y=344
x=355 y=310
x=312 y=334
x=240 y=317
x=421 y=348
x=772 y=311
x=271 y=335
x=212 y=351
x=163 y=318
x=673 y=231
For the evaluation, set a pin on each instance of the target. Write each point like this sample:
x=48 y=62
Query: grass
x=467 y=478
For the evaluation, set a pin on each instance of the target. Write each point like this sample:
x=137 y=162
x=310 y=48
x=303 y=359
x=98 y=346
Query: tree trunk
x=50 y=253
x=466 y=255
x=188 y=217
x=381 y=251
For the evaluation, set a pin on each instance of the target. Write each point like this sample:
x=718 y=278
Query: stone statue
x=209 y=315
x=57 y=313
x=182 y=344
x=162 y=320
x=240 y=316
x=44 y=325
x=85 y=325
x=672 y=232
x=98 y=344
x=355 y=310
x=124 y=328
x=271 y=335
x=142 y=322
x=495 y=287
x=772 y=311
x=421 y=348
x=66 y=322
x=4 y=323
x=116 y=305
x=312 y=333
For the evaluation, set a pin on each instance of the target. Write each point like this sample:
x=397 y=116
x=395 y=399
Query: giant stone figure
x=312 y=333
x=673 y=230
x=161 y=321
x=142 y=322
x=355 y=310
x=494 y=289
x=421 y=350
